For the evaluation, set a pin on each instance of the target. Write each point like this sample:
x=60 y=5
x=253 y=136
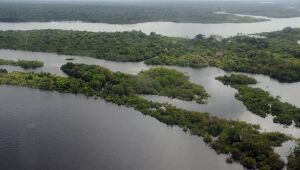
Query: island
x=261 y=102
x=25 y=64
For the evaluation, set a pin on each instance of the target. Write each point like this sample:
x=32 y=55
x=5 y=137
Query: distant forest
x=277 y=55
x=130 y=13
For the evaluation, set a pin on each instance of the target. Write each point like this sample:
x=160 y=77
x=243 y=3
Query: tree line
x=275 y=55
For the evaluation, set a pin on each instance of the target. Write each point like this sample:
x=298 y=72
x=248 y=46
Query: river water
x=48 y=130
x=188 y=30
x=221 y=103
x=77 y=129
x=65 y=131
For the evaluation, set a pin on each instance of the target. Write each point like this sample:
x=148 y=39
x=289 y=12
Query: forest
x=261 y=102
x=127 y=13
x=25 y=64
x=156 y=81
x=240 y=141
x=135 y=12
x=276 y=55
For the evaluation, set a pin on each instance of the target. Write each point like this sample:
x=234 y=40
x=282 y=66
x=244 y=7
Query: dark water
x=42 y=130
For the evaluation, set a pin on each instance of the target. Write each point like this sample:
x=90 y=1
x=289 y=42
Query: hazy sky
x=137 y=0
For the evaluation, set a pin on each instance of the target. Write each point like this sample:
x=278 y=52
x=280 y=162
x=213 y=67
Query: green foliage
x=243 y=142
x=277 y=55
x=125 y=46
x=3 y=71
x=261 y=102
x=23 y=63
x=236 y=79
x=158 y=81
x=294 y=159
x=121 y=13
x=47 y=81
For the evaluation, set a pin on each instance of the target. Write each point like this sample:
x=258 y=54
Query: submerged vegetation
x=241 y=141
x=25 y=64
x=261 y=102
x=277 y=55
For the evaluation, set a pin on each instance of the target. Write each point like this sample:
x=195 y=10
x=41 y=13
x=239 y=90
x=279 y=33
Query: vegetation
x=3 y=71
x=23 y=63
x=294 y=159
x=122 y=13
x=126 y=46
x=158 y=81
x=241 y=141
x=277 y=55
x=236 y=79
x=261 y=102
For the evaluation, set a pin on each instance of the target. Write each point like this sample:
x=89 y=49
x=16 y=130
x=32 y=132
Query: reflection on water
x=65 y=131
x=164 y=28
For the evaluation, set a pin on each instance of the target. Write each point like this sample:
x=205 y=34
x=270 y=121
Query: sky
x=132 y=0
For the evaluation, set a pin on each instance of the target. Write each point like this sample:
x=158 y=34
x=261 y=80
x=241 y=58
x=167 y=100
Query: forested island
x=25 y=64
x=261 y=102
x=242 y=142
x=277 y=54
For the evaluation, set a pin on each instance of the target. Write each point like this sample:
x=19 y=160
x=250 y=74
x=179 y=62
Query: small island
x=70 y=59
x=25 y=64
x=261 y=102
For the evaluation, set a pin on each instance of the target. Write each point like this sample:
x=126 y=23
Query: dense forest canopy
x=242 y=142
x=135 y=12
x=158 y=81
x=131 y=13
x=277 y=55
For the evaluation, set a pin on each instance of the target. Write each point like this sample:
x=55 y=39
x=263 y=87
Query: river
x=188 y=30
x=48 y=130
x=65 y=131
x=221 y=103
